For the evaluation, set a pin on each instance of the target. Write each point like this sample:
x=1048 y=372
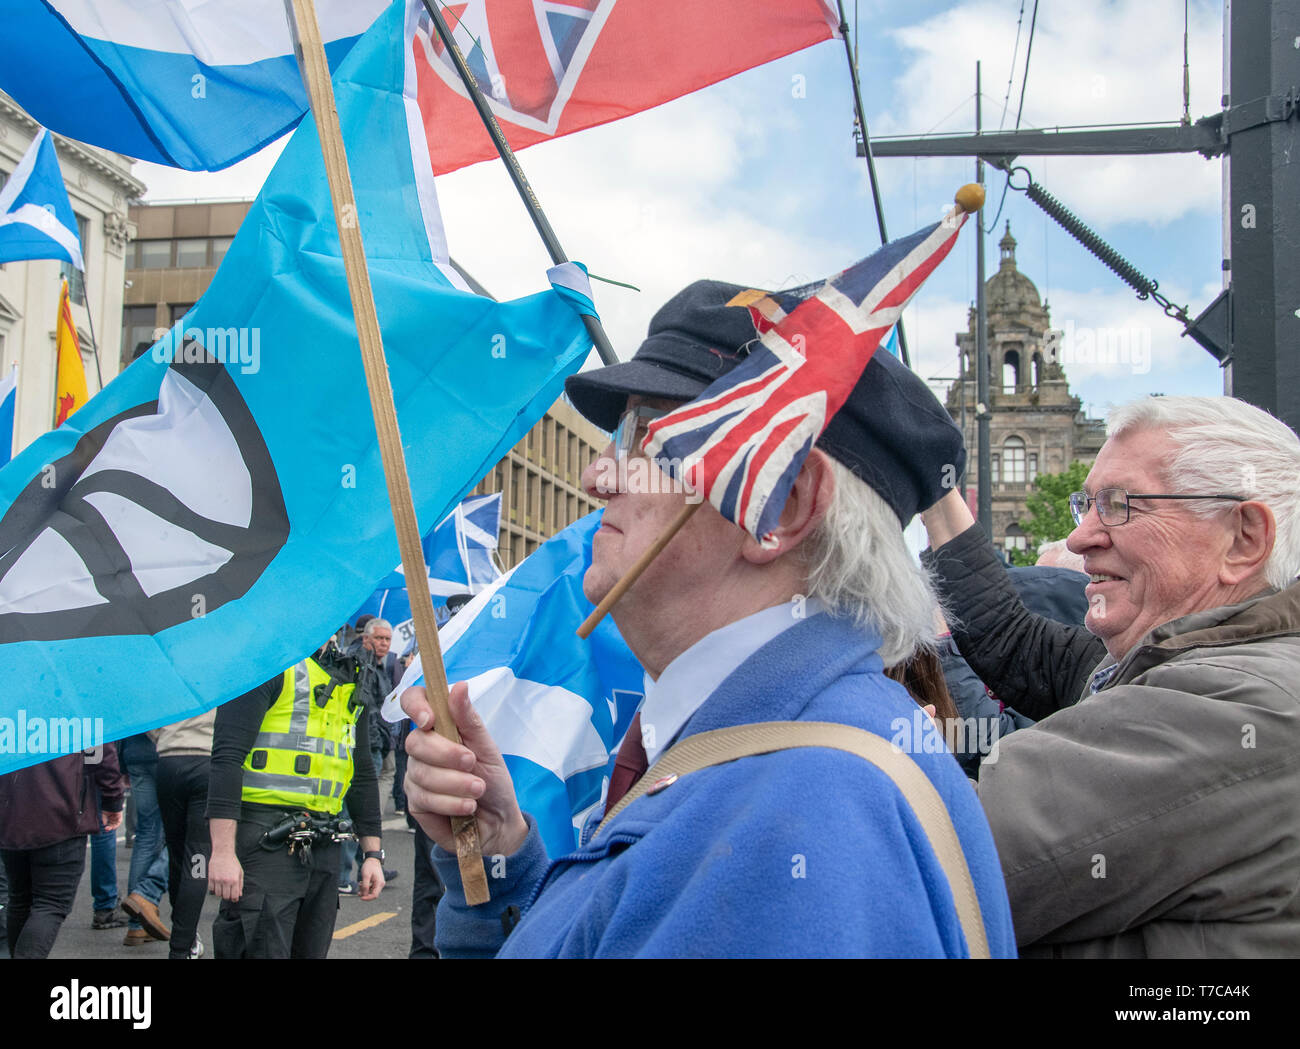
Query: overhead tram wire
x=1011 y=73
x=1029 y=54
x=1020 y=110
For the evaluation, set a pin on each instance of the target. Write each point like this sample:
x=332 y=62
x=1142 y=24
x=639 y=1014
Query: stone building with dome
x=1036 y=425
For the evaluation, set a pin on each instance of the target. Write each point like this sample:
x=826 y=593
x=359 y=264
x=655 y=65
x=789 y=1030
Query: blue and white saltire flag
x=391 y=602
x=36 y=220
x=458 y=556
x=556 y=705
x=459 y=552
x=190 y=85
x=215 y=513
x=8 y=402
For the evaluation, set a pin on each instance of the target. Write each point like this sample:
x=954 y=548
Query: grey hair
x=374 y=625
x=1057 y=555
x=860 y=568
x=1228 y=446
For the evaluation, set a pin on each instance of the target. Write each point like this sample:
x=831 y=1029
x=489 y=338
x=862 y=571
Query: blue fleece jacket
x=800 y=853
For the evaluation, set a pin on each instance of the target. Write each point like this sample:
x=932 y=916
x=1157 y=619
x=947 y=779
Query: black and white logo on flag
x=161 y=514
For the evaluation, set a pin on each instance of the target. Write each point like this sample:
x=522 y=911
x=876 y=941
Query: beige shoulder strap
x=706 y=749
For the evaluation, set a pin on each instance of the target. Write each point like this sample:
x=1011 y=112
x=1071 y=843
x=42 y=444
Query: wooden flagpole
x=634 y=573
x=316 y=76
x=526 y=194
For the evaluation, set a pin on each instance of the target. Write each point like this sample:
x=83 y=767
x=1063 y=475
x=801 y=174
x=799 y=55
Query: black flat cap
x=892 y=432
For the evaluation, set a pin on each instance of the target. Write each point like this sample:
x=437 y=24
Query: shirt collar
x=1102 y=678
x=692 y=677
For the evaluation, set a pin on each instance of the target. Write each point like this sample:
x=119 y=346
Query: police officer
x=282 y=755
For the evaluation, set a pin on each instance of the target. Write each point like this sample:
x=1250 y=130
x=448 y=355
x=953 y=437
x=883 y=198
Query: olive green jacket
x=1160 y=816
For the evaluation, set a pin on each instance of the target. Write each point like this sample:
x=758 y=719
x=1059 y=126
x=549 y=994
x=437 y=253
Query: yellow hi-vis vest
x=302 y=758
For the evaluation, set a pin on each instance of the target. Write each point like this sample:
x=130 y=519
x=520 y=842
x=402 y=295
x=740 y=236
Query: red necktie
x=629 y=766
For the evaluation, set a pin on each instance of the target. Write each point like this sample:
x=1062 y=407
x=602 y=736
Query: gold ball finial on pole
x=970 y=198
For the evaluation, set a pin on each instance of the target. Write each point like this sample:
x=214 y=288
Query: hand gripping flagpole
x=544 y=230
x=316 y=76
x=970 y=198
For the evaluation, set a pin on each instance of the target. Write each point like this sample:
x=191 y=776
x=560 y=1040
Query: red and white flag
x=552 y=67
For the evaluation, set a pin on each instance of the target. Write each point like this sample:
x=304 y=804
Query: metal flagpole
x=871 y=162
x=984 y=473
x=310 y=50
x=552 y=242
x=90 y=320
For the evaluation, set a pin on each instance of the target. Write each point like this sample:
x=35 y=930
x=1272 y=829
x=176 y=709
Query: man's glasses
x=632 y=427
x=1113 y=503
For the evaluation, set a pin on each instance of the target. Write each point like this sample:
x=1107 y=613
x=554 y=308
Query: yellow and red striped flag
x=70 y=387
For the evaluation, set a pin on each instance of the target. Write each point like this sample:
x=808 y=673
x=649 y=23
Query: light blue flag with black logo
x=36 y=220
x=556 y=705
x=215 y=513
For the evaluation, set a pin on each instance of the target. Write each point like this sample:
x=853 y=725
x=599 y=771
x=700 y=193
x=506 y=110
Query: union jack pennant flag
x=743 y=441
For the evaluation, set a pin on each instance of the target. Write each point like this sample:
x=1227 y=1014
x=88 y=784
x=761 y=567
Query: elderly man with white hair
x=1155 y=813
x=792 y=852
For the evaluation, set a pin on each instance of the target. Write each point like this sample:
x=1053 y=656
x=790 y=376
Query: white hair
x=861 y=569
x=374 y=625
x=1226 y=446
x=1057 y=555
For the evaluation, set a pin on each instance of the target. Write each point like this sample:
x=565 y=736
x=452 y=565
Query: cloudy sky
x=755 y=180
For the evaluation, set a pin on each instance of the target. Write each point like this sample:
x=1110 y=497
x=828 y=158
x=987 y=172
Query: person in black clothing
x=1054 y=592
x=46 y=812
x=278 y=903
x=184 y=760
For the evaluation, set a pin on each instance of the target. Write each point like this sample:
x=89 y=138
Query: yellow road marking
x=363 y=924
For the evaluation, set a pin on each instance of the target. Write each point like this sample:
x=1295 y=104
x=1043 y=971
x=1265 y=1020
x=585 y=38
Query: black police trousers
x=288 y=908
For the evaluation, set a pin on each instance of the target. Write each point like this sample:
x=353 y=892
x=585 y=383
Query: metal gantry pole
x=985 y=489
x=1262 y=212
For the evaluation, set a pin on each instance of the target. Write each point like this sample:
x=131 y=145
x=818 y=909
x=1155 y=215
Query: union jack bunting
x=743 y=441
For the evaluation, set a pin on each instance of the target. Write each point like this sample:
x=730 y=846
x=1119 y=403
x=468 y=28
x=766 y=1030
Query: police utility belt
x=301 y=830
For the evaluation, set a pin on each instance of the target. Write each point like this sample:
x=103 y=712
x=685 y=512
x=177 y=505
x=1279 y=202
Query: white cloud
x=1115 y=61
x=240 y=181
x=654 y=200
x=1123 y=348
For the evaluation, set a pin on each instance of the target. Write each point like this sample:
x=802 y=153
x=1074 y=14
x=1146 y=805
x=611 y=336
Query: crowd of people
x=841 y=751
x=1139 y=801
x=201 y=802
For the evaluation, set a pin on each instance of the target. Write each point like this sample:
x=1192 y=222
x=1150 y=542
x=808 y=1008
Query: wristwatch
x=374 y=854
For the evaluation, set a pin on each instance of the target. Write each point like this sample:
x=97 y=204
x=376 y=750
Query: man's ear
x=809 y=500
x=1253 y=533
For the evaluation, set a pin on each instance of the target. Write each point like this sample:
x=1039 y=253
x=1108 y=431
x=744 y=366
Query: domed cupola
x=1010 y=290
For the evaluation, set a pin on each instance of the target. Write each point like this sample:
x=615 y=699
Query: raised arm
x=1030 y=662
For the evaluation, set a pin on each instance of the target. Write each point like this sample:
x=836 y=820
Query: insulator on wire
x=1109 y=257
